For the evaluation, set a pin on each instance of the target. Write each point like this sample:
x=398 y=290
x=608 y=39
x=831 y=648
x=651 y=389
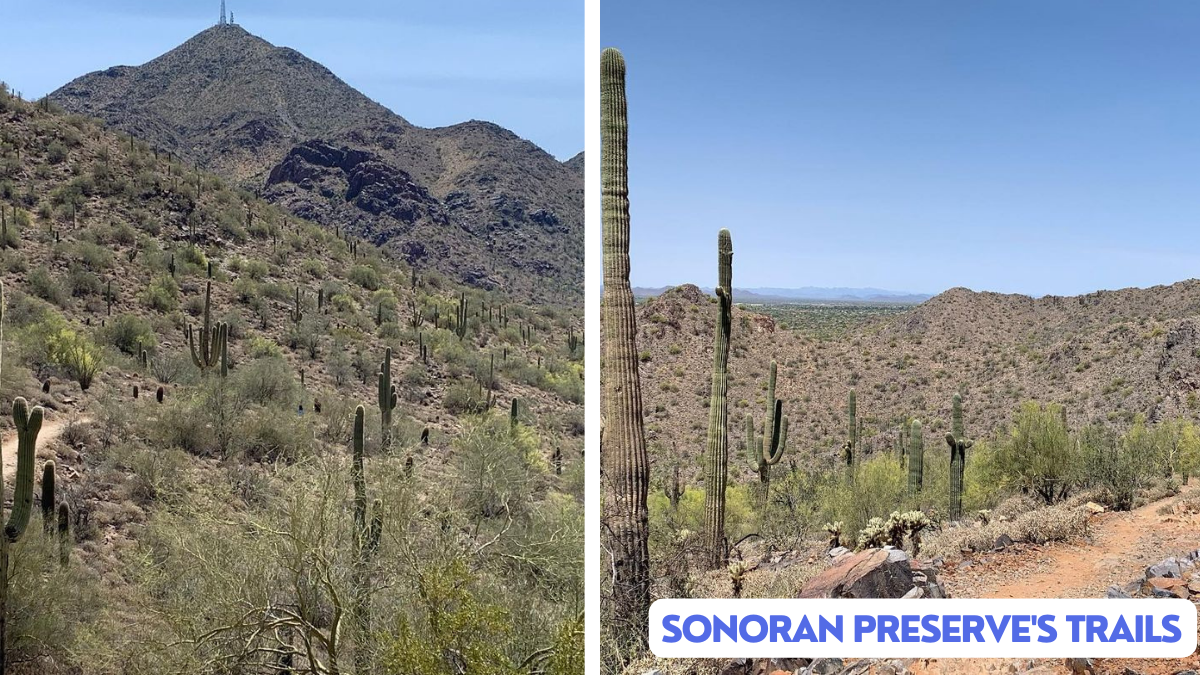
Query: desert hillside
x=212 y=494
x=1106 y=356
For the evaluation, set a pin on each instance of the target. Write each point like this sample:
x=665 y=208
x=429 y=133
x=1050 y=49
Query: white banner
x=923 y=628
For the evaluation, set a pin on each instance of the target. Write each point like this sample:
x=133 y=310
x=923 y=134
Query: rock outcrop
x=874 y=573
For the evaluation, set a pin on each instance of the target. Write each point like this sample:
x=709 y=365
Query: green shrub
x=43 y=285
x=365 y=276
x=162 y=294
x=464 y=397
x=266 y=381
x=83 y=282
x=274 y=434
x=129 y=333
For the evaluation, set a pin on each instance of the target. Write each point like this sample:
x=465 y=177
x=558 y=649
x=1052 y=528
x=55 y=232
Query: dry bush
x=1061 y=522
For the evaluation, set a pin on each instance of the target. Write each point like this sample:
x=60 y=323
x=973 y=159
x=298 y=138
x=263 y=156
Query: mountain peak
x=472 y=200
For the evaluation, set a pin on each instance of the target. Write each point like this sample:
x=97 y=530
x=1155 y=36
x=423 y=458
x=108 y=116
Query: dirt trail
x=1120 y=547
x=53 y=425
x=1118 y=550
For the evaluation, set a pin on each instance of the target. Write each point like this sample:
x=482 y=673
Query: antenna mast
x=222 y=13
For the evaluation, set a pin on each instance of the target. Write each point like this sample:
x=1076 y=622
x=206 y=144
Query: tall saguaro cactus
x=718 y=409
x=213 y=347
x=765 y=452
x=624 y=467
x=368 y=528
x=916 y=458
x=387 y=399
x=851 y=444
x=28 y=423
x=958 y=443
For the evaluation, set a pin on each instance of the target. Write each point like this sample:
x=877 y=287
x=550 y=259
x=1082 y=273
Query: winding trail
x=1119 y=548
x=52 y=427
x=1117 y=551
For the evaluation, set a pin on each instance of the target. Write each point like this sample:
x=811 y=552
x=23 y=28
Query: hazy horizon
x=1016 y=147
x=433 y=65
x=905 y=291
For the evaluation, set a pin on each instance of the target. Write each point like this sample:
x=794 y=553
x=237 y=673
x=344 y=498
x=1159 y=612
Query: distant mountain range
x=807 y=294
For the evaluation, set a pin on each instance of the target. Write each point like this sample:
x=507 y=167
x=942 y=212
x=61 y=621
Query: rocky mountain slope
x=1107 y=356
x=107 y=251
x=471 y=200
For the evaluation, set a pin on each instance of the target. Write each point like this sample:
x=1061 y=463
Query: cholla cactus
x=874 y=535
x=834 y=530
x=737 y=575
x=915 y=522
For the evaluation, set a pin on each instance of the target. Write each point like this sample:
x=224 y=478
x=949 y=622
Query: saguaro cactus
x=625 y=470
x=765 y=452
x=297 y=310
x=851 y=444
x=366 y=543
x=718 y=409
x=28 y=423
x=958 y=443
x=48 y=496
x=460 y=317
x=64 y=534
x=674 y=489
x=212 y=348
x=387 y=399
x=916 y=458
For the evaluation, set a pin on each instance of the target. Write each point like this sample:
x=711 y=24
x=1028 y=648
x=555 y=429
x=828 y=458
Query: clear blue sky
x=1008 y=145
x=518 y=64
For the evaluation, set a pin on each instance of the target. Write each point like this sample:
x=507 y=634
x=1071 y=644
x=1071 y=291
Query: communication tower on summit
x=223 y=21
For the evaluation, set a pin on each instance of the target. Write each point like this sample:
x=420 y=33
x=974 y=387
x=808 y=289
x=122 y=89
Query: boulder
x=873 y=573
x=825 y=667
x=1117 y=592
x=1166 y=587
x=835 y=553
x=925 y=577
x=1167 y=568
x=764 y=666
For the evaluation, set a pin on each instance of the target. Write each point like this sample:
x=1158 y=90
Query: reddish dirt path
x=1119 y=548
x=52 y=427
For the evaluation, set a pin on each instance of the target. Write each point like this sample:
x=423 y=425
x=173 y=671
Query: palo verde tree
x=625 y=471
